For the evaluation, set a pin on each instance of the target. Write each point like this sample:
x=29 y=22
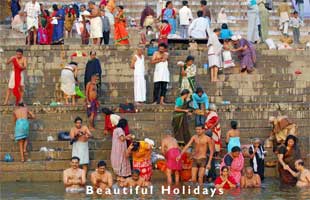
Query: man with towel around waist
x=171 y=150
x=79 y=136
x=95 y=23
x=200 y=161
x=21 y=116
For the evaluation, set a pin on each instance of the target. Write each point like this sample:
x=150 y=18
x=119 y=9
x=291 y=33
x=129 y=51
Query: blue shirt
x=203 y=99
x=226 y=34
x=179 y=102
x=252 y=2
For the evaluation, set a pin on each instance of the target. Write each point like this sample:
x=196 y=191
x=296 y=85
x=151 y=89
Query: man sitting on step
x=74 y=178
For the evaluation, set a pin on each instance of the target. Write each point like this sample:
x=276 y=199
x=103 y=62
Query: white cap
x=149 y=141
x=239 y=37
x=234 y=38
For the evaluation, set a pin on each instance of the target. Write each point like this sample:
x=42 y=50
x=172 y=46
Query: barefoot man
x=161 y=74
x=95 y=23
x=303 y=174
x=16 y=82
x=101 y=178
x=202 y=144
x=250 y=180
x=92 y=103
x=171 y=150
x=74 y=178
x=21 y=116
x=79 y=137
x=135 y=180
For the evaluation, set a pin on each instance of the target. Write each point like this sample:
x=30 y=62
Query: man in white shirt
x=185 y=18
x=33 y=12
x=199 y=27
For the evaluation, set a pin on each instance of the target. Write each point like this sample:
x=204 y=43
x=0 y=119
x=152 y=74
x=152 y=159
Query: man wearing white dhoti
x=199 y=27
x=95 y=23
x=137 y=64
x=161 y=74
x=214 y=53
x=253 y=21
x=68 y=80
x=33 y=13
x=79 y=135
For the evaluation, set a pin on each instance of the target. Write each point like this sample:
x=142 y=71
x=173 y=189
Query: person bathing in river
x=233 y=136
x=250 y=180
x=101 y=178
x=135 y=180
x=303 y=175
x=74 y=178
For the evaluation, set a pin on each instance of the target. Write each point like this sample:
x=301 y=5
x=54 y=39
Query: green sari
x=188 y=81
x=180 y=122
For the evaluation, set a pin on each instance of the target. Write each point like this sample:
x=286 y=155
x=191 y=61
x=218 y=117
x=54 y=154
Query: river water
x=271 y=189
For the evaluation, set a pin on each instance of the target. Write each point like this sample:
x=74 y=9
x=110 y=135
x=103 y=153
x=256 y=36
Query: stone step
x=8 y=146
x=57 y=155
x=57 y=176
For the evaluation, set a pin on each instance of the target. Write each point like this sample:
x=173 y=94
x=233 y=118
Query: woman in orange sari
x=120 y=32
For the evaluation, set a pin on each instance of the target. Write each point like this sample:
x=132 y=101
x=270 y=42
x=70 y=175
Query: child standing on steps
x=296 y=23
x=92 y=102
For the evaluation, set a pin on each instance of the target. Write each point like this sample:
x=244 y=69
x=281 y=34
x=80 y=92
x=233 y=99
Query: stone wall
x=273 y=89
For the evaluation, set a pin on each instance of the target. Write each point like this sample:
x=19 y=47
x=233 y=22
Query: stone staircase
x=272 y=89
x=235 y=9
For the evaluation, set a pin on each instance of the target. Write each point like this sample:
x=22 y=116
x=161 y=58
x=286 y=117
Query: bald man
x=250 y=180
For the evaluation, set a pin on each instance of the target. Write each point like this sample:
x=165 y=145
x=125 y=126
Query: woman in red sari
x=225 y=180
x=48 y=25
x=164 y=31
x=120 y=32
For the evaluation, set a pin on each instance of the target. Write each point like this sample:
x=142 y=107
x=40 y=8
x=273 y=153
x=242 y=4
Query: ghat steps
x=235 y=9
x=272 y=89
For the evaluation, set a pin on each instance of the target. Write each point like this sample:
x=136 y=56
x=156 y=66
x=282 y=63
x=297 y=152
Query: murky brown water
x=271 y=189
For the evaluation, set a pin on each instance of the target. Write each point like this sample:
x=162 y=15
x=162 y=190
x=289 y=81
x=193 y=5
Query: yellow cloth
x=142 y=153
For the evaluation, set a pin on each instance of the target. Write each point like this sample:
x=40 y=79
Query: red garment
x=163 y=12
x=103 y=2
x=213 y=121
x=163 y=34
x=49 y=27
x=219 y=181
x=127 y=132
x=17 y=80
x=70 y=10
x=108 y=124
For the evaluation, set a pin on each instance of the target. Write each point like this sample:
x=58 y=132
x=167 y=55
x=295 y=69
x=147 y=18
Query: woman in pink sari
x=235 y=162
x=119 y=160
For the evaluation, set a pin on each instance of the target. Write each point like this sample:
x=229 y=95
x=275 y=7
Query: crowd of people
x=131 y=158
x=50 y=25
x=47 y=26
x=188 y=157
